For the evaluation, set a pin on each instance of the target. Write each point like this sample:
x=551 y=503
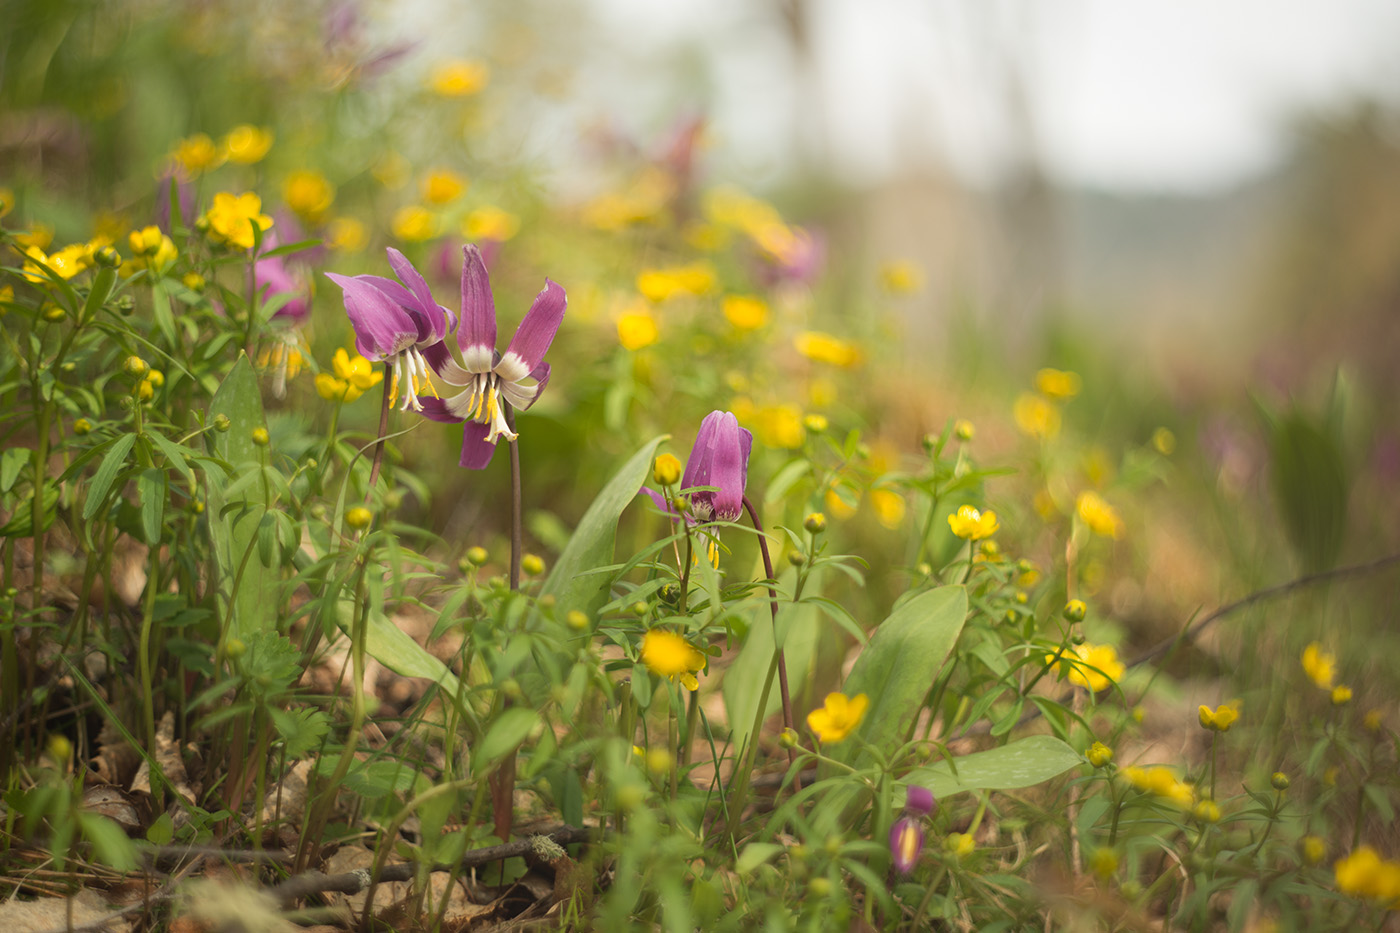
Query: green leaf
x=901 y=662
x=571 y=582
x=151 y=487
x=112 y=463
x=511 y=728
x=109 y=844
x=234 y=531
x=161 y=831
x=754 y=855
x=390 y=646
x=12 y=461
x=21 y=523
x=174 y=453
x=1017 y=764
x=1311 y=485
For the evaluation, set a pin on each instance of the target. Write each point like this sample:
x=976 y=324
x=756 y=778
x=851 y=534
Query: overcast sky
x=1163 y=95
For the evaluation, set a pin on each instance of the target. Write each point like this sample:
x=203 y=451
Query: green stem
x=383 y=431
x=781 y=655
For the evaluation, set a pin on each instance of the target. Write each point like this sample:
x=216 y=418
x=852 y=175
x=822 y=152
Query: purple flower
x=492 y=381
x=271 y=273
x=907 y=834
x=719 y=459
x=396 y=324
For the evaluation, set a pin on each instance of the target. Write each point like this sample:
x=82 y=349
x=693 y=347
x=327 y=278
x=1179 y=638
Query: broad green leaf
x=754 y=855
x=112 y=463
x=1020 y=763
x=570 y=582
x=391 y=646
x=12 y=461
x=151 y=488
x=109 y=844
x=234 y=532
x=511 y=728
x=901 y=662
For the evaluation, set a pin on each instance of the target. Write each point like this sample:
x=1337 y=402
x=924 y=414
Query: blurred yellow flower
x=155 y=250
x=659 y=284
x=1036 y=417
x=1162 y=782
x=1363 y=873
x=637 y=329
x=347 y=235
x=1341 y=695
x=197 y=154
x=816 y=423
x=779 y=426
x=414 y=224
x=40 y=235
x=309 y=194
x=459 y=78
x=960 y=844
x=1221 y=718
x=443 y=186
x=826 y=348
x=65 y=263
x=838 y=717
x=1094 y=666
x=1098 y=515
x=1057 y=383
x=745 y=312
x=888 y=506
x=246 y=144
x=842 y=501
x=901 y=277
x=821 y=393
x=489 y=222
x=1319 y=665
x=353 y=375
x=1164 y=441
x=669 y=655
x=1314 y=849
x=232 y=218
x=972 y=525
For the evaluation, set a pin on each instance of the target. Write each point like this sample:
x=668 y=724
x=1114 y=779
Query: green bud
x=815 y=523
x=222 y=423
x=1075 y=610
x=639 y=608
x=577 y=620
x=670 y=593
x=82 y=426
x=358 y=517
x=532 y=565
x=788 y=738
x=135 y=366
x=235 y=648
x=126 y=305
x=796 y=557
x=259 y=436
x=1280 y=781
x=107 y=257
x=477 y=555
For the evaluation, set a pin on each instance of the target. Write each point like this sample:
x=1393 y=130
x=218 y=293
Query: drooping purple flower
x=397 y=324
x=907 y=834
x=271 y=273
x=719 y=459
x=493 y=381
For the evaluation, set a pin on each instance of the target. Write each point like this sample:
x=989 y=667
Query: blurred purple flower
x=184 y=193
x=492 y=381
x=272 y=278
x=720 y=459
x=907 y=834
x=397 y=324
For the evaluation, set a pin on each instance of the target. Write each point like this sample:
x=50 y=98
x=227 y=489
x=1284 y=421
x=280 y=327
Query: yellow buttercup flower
x=459 y=78
x=1221 y=718
x=637 y=329
x=745 y=312
x=1319 y=665
x=1363 y=873
x=1099 y=755
x=353 y=375
x=414 y=224
x=347 y=235
x=901 y=277
x=246 y=144
x=889 y=507
x=669 y=655
x=197 y=154
x=1098 y=515
x=1162 y=782
x=489 y=222
x=660 y=284
x=1057 y=383
x=155 y=250
x=972 y=525
x=666 y=470
x=443 y=186
x=65 y=263
x=838 y=717
x=1093 y=666
x=1036 y=417
x=1341 y=695
x=232 y=218
x=826 y=348
x=309 y=194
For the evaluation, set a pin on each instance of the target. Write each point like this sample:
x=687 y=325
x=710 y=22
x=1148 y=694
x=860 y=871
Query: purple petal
x=476 y=332
x=436 y=316
x=435 y=409
x=906 y=844
x=476 y=449
x=380 y=322
x=535 y=334
x=919 y=799
x=697 y=467
x=659 y=501
x=448 y=370
x=729 y=468
x=522 y=396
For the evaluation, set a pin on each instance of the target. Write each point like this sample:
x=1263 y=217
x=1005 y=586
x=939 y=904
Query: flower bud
x=819 y=887
x=145 y=390
x=666 y=470
x=815 y=423
x=1099 y=755
x=815 y=523
x=259 y=436
x=1207 y=811
x=135 y=366
x=577 y=620
x=964 y=430
x=358 y=517
x=126 y=305
x=639 y=608
x=60 y=749
x=1075 y=610
x=82 y=426
x=235 y=648
x=107 y=258
x=681 y=504
x=532 y=565
x=1280 y=781
x=1104 y=863
x=53 y=313
x=670 y=593
x=477 y=555
x=788 y=738
x=222 y=423
x=796 y=557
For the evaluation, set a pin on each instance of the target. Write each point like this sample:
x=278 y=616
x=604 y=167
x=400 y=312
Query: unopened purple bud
x=919 y=800
x=906 y=844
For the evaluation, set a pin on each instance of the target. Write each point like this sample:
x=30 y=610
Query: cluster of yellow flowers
x=232 y=219
x=1321 y=668
x=1161 y=781
x=245 y=144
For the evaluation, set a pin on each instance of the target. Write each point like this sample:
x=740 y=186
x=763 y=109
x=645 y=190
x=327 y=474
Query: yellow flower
x=1341 y=695
x=489 y=222
x=353 y=375
x=1104 y=863
x=1094 y=666
x=38 y=236
x=1095 y=512
x=443 y=186
x=826 y=348
x=414 y=224
x=1221 y=718
x=65 y=263
x=637 y=329
x=233 y=217
x=1162 y=782
x=745 y=312
x=779 y=426
x=1164 y=441
x=1099 y=754
x=1319 y=665
x=889 y=507
x=347 y=235
x=842 y=501
x=1314 y=849
x=459 y=78
x=1207 y=811
x=972 y=525
x=901 y=277
x=197 y=154
x=1364 y=873
x=246 y=144
x=838 y=717
x=960 y=844
x=816 y=423
x=153 y=247
x=1057 y=383
x=666 y=470
x=659 y=284
x=1036 y=417
x=309 y=194
x=669 y=655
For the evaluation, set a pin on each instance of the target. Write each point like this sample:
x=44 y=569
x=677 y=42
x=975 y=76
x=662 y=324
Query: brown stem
x=502 y=780
x=782 y=659
x=383 y=430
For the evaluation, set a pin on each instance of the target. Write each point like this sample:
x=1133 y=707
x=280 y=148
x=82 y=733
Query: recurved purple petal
x=535 y=333
x=476 y=332
x=436 y=409
x=381 y=324
x=447 y=369
x=435 y=315
x=476 y=449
